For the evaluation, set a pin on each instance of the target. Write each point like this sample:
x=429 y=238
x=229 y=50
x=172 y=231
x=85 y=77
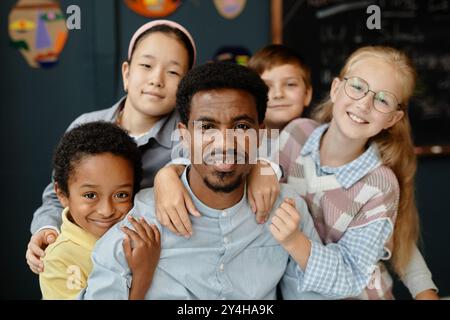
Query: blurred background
x=39 y=102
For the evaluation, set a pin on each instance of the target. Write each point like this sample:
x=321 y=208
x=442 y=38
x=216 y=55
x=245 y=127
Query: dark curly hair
x=221 y=75
x=91 y=139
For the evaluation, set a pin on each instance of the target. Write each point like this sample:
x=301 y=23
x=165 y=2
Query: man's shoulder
x=146 y=198
x=288 y=191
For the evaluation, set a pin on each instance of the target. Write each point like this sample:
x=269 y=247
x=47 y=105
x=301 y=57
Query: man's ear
x=395 y=117
x=334 y=89
x=308 y=96
x=125 y=75
x=62 y=197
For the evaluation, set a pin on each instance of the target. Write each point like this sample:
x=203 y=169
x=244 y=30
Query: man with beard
x=229 y=256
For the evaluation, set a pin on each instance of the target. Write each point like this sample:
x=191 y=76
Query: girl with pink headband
x=160 y=53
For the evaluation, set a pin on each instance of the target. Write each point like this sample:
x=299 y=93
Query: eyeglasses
x=383 y=101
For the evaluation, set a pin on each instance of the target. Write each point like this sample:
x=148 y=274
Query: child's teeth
x=356 y=119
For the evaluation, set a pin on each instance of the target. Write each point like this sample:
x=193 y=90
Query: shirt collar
x=75 y=233
x=112 y=113
x=211 y=212
x=312 y=144
x=350 y=173
x=162 y=131
x=165 y=130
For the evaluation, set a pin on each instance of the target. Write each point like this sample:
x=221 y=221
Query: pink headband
x=154 y=23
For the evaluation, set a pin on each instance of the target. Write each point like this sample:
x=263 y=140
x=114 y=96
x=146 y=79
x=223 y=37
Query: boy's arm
x=417 y=278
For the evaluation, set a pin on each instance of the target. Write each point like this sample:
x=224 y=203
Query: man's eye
x=146 y=66
x=90 y=195
x=207 y=127
x=242 y=126
x=174 y=73
x=292 y=84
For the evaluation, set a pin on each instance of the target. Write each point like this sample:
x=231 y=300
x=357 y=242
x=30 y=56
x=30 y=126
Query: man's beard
x=220 y=188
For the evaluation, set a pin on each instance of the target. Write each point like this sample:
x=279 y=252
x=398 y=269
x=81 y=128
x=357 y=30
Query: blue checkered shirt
x=346 y=267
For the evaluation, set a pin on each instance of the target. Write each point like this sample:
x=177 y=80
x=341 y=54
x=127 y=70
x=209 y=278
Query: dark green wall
x=37 y=106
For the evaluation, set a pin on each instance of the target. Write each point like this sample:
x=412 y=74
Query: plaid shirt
x=353 y=206
x=348 y=174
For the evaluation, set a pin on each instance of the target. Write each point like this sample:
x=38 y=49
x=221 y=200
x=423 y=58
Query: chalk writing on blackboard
x=325 y=32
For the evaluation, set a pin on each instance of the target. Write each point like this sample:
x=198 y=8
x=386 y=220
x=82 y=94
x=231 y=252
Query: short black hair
x=177 y=33
x=91 y=139
x=221 y=75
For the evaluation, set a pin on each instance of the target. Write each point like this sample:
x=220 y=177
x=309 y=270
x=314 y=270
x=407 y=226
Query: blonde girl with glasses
x=354 y=165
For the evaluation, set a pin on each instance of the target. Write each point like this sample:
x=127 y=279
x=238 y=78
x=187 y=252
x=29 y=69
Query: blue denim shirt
x=229 y=256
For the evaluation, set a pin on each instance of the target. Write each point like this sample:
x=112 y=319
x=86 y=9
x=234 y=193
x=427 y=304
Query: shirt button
x=221 y=267
x=224 y=213
x=225 y=240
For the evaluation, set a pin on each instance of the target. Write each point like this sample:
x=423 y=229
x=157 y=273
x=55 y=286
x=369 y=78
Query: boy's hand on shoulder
x=35 y=249
x=142 y=247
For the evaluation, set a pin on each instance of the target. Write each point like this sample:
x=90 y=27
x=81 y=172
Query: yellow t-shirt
x=67 y=262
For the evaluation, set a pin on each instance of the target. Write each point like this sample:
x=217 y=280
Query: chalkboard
x=325 y=32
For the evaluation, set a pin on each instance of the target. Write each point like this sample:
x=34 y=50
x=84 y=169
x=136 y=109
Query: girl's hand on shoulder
x=35 y=249
x=285 y=223
x=262 y=190
x=173 y=201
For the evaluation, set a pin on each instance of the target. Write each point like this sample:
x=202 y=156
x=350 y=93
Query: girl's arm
x=336 y=270
x=143 y=256
x=173 y=202
x=417 y=278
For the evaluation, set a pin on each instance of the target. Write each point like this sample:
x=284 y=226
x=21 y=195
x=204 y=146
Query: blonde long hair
x=396 y=149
